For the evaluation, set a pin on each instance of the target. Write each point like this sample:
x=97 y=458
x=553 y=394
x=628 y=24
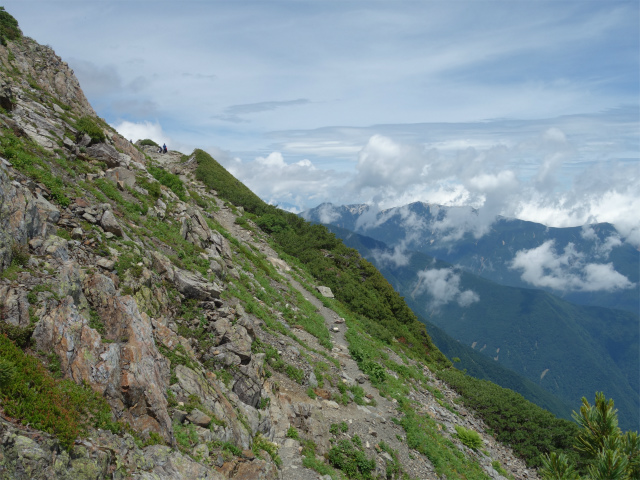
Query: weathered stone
x=130 y=372
x=110 y=224
x=256 y=470
x=77 y=233
x=199 y=418
x=325 y=291
x=193 y=285
x=121 y=174
x=279 y=264
x=104 y=153
x=105 y=263
x=162 y=265
x=179 y=416
x=56 y=247
x=14 y=306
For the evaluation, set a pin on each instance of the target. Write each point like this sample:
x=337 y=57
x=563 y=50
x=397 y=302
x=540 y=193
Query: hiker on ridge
x=164 y=148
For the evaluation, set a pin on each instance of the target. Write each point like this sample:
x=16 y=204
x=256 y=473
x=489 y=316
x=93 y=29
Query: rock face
x=156 y=305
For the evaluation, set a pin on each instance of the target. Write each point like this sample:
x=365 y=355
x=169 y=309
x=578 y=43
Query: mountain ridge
x=159 y=321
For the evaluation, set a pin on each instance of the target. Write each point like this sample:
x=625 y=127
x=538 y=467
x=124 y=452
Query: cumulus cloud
x=139 y=131
x=281 y=183
x=443 y=286
x=398 y=257
x=566 y=271
x=327 y=213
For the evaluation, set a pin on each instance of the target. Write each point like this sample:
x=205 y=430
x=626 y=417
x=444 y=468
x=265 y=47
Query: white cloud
x=443 y=286
x=399 y=257
x=139 y=131
x=601 y=248
x=328 y=214
x=566 y=271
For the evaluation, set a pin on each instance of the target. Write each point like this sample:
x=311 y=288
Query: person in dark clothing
x=164 y=148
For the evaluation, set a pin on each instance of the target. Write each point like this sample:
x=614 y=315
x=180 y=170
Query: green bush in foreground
x=32 y=395
x=611 y=454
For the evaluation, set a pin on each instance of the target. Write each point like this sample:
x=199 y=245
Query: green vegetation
x=31 y=394
x=530 y=430
x=424 y=436
x=148 y=141
x=351 y=459
x=337 y=428
x=170 y=181
x=292 y=432
x=90 y=127
x=28 y=158
x=9 y=29
x=470 y=438
x=609 y=454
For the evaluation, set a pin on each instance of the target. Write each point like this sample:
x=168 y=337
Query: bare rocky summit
x=206 y=361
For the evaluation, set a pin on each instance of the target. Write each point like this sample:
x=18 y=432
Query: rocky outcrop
x=129 y=370
x=48 y=71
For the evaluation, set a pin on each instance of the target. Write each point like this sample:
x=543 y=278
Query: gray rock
x=56 y=247
x=325 y=291
x=106 y=263
x=121 y=174
x=110 y=224
x=89 y=218
x=193 y=285
x=105 y=153
x=199 y=418
x=178 y=416
x=76 y=233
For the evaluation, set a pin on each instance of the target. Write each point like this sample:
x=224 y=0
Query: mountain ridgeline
x=158 y=320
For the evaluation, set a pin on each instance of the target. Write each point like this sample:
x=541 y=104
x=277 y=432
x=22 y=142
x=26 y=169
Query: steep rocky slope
x=217 y=355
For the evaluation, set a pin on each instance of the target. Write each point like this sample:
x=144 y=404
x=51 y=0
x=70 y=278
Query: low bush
x=59 y=407
x=148 y=141
x=470 y=438
x=90 y=127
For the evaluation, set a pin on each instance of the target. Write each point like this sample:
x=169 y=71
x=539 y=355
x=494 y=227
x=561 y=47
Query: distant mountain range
x=600 y=268
x=569 y=349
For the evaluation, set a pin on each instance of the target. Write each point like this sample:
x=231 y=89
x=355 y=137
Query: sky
x=522 y=108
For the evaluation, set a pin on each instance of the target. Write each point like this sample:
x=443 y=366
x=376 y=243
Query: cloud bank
x=567 y=271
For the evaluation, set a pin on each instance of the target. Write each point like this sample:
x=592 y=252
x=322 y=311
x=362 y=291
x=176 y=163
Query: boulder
x=325 y=292
x=193 y=285
x=105 y=153
x=109 y=223
x=199 y=418
x=121 y=174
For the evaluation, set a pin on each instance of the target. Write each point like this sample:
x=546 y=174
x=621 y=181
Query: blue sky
x=525 y=108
